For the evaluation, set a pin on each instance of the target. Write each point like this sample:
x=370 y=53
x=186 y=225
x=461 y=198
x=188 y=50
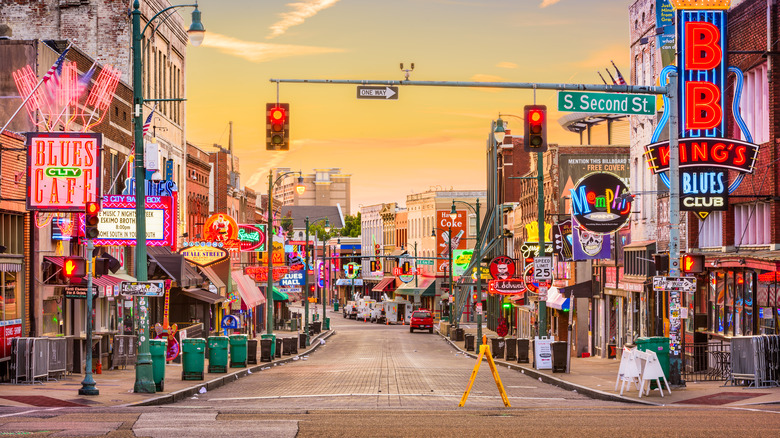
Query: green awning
x=280 y=296
x=426 y=287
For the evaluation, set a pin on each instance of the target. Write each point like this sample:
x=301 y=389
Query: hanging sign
x=502 y=267
x=510 y=286
x=221 y=228
x=562 y=240
x=143 y=288
x=260 y=273
x=596 y=204
x=63 y=170
x=203 y=255
x=79 y=292
x=251 y=237
x=117 y=225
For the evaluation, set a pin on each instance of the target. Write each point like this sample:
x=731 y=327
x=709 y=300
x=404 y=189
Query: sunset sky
x=429 y=137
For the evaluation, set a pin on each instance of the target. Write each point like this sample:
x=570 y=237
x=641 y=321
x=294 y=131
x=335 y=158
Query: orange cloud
x=506 y=64
x=546 y=3
x=301 y=11
x=260 y=52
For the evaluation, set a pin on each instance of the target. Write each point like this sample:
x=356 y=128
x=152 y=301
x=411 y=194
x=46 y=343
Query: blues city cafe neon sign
x=597 y=205
x=705 y=155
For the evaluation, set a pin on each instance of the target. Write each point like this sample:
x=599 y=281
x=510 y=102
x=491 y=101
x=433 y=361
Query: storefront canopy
x=174 y=267
x=212 y=276
x=557 y=301
x=426 y=287
x=386 y=285
x=348 y=282
x=203 y=295
x=249 y=292
x=579 y=290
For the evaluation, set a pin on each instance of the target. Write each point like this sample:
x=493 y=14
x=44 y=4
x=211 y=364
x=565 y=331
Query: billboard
x=459 y=237
x=573 y=167
x=117 y=221
x=63 y=170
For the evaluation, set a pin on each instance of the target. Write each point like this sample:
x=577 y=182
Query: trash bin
x=558 y=349
x=316 y=327
x=511 y=349
x=302 y=341
x=497 y=346
x=286 y=347
x=659 y=345
x=336 y=306
x=265 y=350
x=238 y=351
x=469 y=342
x=458 y=335
x=251 y=352
x=326 y=324
x=194 y=356
x=294 y=325
x=611 y=351
x=293 y=345
x=218 y=354
x=272 y=347
x=522 y=351
x=157 y=348
x=278 y=352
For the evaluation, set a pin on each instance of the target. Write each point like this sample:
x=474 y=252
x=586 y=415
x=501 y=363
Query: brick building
x=199 y=175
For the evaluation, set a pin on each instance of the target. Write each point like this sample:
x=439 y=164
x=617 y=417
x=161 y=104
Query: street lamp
x=144 y=382
x=540 y=212
x=479 y=265
x=269 y=286
x=449 y=248
x=323 y=289
x=306 y=272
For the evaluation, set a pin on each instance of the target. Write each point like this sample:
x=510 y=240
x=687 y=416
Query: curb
x=182 y=394
x=546 y=378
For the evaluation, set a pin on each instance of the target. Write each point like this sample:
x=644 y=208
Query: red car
x=421 y=320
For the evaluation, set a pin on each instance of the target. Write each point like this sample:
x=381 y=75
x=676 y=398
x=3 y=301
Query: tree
x=351 y=226
x=287 y=224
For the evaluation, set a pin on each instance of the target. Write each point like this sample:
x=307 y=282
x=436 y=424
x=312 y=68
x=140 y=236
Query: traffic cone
x=99 y=368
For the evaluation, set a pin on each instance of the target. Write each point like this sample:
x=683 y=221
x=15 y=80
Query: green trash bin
x=218 y=354
x=326 y=324
x=193 y=358
x=659 y=345
x=294 y=325
x=238 y=351
x=157 y=348
x=336 y=306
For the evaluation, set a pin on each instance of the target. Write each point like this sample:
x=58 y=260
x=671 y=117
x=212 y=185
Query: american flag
x=55 y=70
x=620 y=80
x=148 y=123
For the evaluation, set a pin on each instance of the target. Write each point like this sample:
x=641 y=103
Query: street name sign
x=542 y=268
x=611 y=103
x=384 y=93
x=425 y=262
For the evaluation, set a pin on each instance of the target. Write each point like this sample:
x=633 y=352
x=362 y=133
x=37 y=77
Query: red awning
x=249 y=292
x=55 y=260
x=386 y=285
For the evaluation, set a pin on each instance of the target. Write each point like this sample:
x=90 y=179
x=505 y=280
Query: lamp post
x=479 y=265
x=498 y=134
x=144 y=382
x=306 y=278
x=449 y=248
x=269 y=286
x=325 y=238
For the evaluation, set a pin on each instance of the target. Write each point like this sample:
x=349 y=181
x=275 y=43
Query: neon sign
x=596 y=204
x=64 y=171
x=251 y=237
x=117 y=225
x=705 y=156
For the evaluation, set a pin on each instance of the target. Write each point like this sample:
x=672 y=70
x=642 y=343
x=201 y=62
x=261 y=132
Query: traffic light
x=277 y=126
x=100 y=266
x=474 y=298
x=91 y=220
x=351 y=270
x=406 y=267
x=535 y=139
x=693 y=263
x=74 y=269
x=661 y=262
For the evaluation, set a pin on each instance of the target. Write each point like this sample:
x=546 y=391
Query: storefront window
x=750 y=280
x=9 y=296
x=739 y=285
x=766 y=299
x=729 y=326
x=720 y=298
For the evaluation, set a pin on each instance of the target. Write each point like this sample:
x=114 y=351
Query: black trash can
x=497 y=345
x=251 y=351
x=460 y=334
x=511 y=349
x=469 y=342
x=302 y=341
x=279 y=347
x=558 y=356
x=265 y=350
x=522 y=351
x=316 y=327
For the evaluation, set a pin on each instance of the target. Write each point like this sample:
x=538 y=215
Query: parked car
x=421 y=319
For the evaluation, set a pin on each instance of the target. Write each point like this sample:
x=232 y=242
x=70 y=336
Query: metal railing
x=704 y=361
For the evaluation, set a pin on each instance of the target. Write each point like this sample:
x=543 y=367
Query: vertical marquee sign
x=63 y=170
x=705 y=155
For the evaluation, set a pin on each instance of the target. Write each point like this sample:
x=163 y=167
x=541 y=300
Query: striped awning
x=11 y=267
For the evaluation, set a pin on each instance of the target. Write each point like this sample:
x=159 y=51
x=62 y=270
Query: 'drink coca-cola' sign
x=459 y=229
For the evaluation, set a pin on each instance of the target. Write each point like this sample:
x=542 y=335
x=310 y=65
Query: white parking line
x=274 y=397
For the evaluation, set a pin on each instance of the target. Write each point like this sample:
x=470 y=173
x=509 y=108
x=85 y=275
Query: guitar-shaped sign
x=168 y=331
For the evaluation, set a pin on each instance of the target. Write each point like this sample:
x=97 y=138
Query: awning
x=555 y=300
x=426 y=287
x=386 y=285
x=580 y=290
x=55 y=260
x=174 y=266
x=249 y=292
x=398 y=252
x=203 y=295
x=212 y=276
x=104 y=281
x=348 y=282
x=279 y=295
x=122 y=277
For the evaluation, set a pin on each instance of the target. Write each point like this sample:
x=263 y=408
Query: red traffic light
x=351 y=269
x=74 y=269
x=535 y=138
x=277 y=114
x=535 y=116
x=693 y=263
x=91 y=220
x=474 y=297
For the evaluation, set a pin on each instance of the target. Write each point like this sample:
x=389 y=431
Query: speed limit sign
x=542 y=268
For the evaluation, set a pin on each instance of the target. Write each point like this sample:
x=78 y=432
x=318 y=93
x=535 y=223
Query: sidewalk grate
x=42 y=401
x=721 y=398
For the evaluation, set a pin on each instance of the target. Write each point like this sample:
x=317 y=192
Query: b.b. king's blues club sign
x=706 y=156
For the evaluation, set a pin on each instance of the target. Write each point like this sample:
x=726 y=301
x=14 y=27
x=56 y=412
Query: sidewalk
x=595 y=377
x=116 y=386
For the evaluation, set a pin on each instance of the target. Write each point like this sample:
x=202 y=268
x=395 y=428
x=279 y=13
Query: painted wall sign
x=596 y=203
x=443 y=223
x=701 y=36
x=64 y=171
x=117 y=221
x=203 y=255
x=502 y=267
x=251 y=237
